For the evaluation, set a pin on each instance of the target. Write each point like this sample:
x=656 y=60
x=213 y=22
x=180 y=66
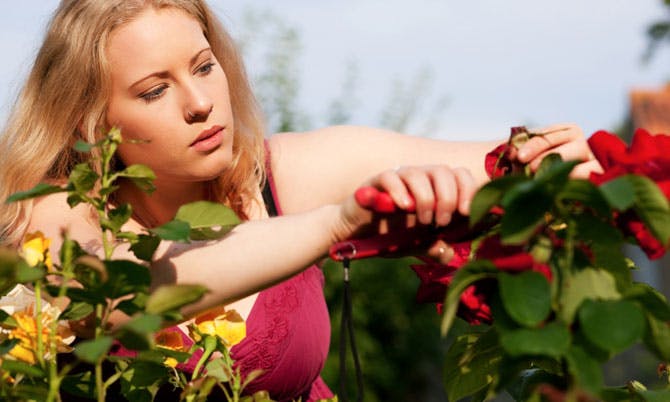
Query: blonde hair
x=66 y=95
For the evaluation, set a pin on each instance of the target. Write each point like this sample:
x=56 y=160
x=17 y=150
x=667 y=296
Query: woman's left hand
x=568 y=140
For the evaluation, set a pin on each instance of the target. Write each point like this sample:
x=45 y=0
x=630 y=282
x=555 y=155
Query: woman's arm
x=258 y=253
x=324 y=166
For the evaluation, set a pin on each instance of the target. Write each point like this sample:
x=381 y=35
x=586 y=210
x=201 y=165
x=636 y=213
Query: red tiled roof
x=650 y=109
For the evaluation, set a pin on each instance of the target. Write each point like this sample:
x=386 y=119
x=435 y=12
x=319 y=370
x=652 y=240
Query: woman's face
x=170 y=93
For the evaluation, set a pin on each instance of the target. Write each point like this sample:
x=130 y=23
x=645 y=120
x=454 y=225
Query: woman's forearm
x=253 y=256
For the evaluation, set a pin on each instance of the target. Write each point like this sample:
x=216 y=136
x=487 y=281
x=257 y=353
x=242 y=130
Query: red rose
x=648 y=155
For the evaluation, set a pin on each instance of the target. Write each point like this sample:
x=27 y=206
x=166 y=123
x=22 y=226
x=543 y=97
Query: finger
x=551 y=137
x=421 y=188
x=467 y=187
x=390 y=182
x=445 y=186
x=575 y=150
x=584 y=170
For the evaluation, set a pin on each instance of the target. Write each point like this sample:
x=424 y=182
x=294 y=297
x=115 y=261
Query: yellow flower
x=35 y=249
x=19 y=304
x=170 y=340
x=227 y=325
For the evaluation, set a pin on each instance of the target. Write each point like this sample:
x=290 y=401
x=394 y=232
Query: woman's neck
x=159 y=207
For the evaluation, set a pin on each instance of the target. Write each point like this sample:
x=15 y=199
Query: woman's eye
x=205 y=68
x=153 y=94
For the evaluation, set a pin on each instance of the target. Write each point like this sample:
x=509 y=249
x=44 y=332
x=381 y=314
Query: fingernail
x=426 y=217
x=523 y=154
x=443 y=219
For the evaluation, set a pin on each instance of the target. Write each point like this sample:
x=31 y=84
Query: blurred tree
x=401 y=352
x=658 y=33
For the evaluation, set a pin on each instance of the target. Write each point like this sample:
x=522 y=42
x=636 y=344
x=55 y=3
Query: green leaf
x=125 y=277
x=172 y=297
x=76 y=311
x=526 y=297
x=619 y=193
x=19 y=367
x=91 y=351
x=587 y=194
x=137 y=334
x=218 y=369
x=585 y=369
x=80 y=385
x=117 y=217
x=657 y=337
x=208 y=220
x=656 y=395
x=554 y=173
x=528 y=380
x=27 y=274
x=552 y=340
x=588 y=283
x=142 y=176
x=471 y=364
x=82 y=146
x=525 y=207
x=650 y=299
x=612 y=325
x=175 y=230
x=141 y=379
x=464 y=277
x=134 y=305
x=145 y=246
x=37 y=191
x=490 y=195
x=652 y=207
x=83 y=178
x=8 y=344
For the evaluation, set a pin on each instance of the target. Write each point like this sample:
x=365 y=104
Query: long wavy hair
x=65 y=99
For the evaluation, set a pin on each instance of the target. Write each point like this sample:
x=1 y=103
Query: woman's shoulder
x=51 y=214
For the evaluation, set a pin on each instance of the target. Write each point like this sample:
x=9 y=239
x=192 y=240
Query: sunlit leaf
x=588 y=283
x=83 y=178
x=76 y=311
x=175 y=230
x=208 y=220
x=37 y=191
x=173 y=297
x=652 y=207
x=142 y=176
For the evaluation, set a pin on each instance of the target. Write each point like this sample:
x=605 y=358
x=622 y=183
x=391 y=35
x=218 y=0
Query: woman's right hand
x=429 y=195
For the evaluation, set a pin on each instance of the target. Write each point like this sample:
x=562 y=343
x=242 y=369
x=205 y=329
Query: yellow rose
x=19 y=304
x=26 y=333
x=227 y=325
x=35 y=249
x=170 y=340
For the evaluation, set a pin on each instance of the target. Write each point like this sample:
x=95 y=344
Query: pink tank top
x=288 y=333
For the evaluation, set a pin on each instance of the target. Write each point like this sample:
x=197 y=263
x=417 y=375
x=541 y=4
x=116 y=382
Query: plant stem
x=99 y=384
x=38 y=322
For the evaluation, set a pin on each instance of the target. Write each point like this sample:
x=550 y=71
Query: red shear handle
x=402 y=241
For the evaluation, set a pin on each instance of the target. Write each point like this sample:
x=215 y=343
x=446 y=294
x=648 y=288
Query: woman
x=166 y=73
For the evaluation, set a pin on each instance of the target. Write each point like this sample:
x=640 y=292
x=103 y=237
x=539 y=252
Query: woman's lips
x=208 y=139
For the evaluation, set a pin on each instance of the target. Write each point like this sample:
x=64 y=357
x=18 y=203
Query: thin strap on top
x=269 y=190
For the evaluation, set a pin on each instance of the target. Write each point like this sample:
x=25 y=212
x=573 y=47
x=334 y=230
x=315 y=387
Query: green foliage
x=97 y=286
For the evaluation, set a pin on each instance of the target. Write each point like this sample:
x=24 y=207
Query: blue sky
x=498 y=63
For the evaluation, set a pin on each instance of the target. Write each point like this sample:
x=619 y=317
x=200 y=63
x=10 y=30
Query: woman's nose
x=198 y=105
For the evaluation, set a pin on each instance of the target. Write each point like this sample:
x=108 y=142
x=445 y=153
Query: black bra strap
x=268 y=199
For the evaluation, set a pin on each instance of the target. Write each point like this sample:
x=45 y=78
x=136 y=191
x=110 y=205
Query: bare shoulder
x=52 y=215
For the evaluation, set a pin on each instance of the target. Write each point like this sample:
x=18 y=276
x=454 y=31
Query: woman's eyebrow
x=162 y=74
